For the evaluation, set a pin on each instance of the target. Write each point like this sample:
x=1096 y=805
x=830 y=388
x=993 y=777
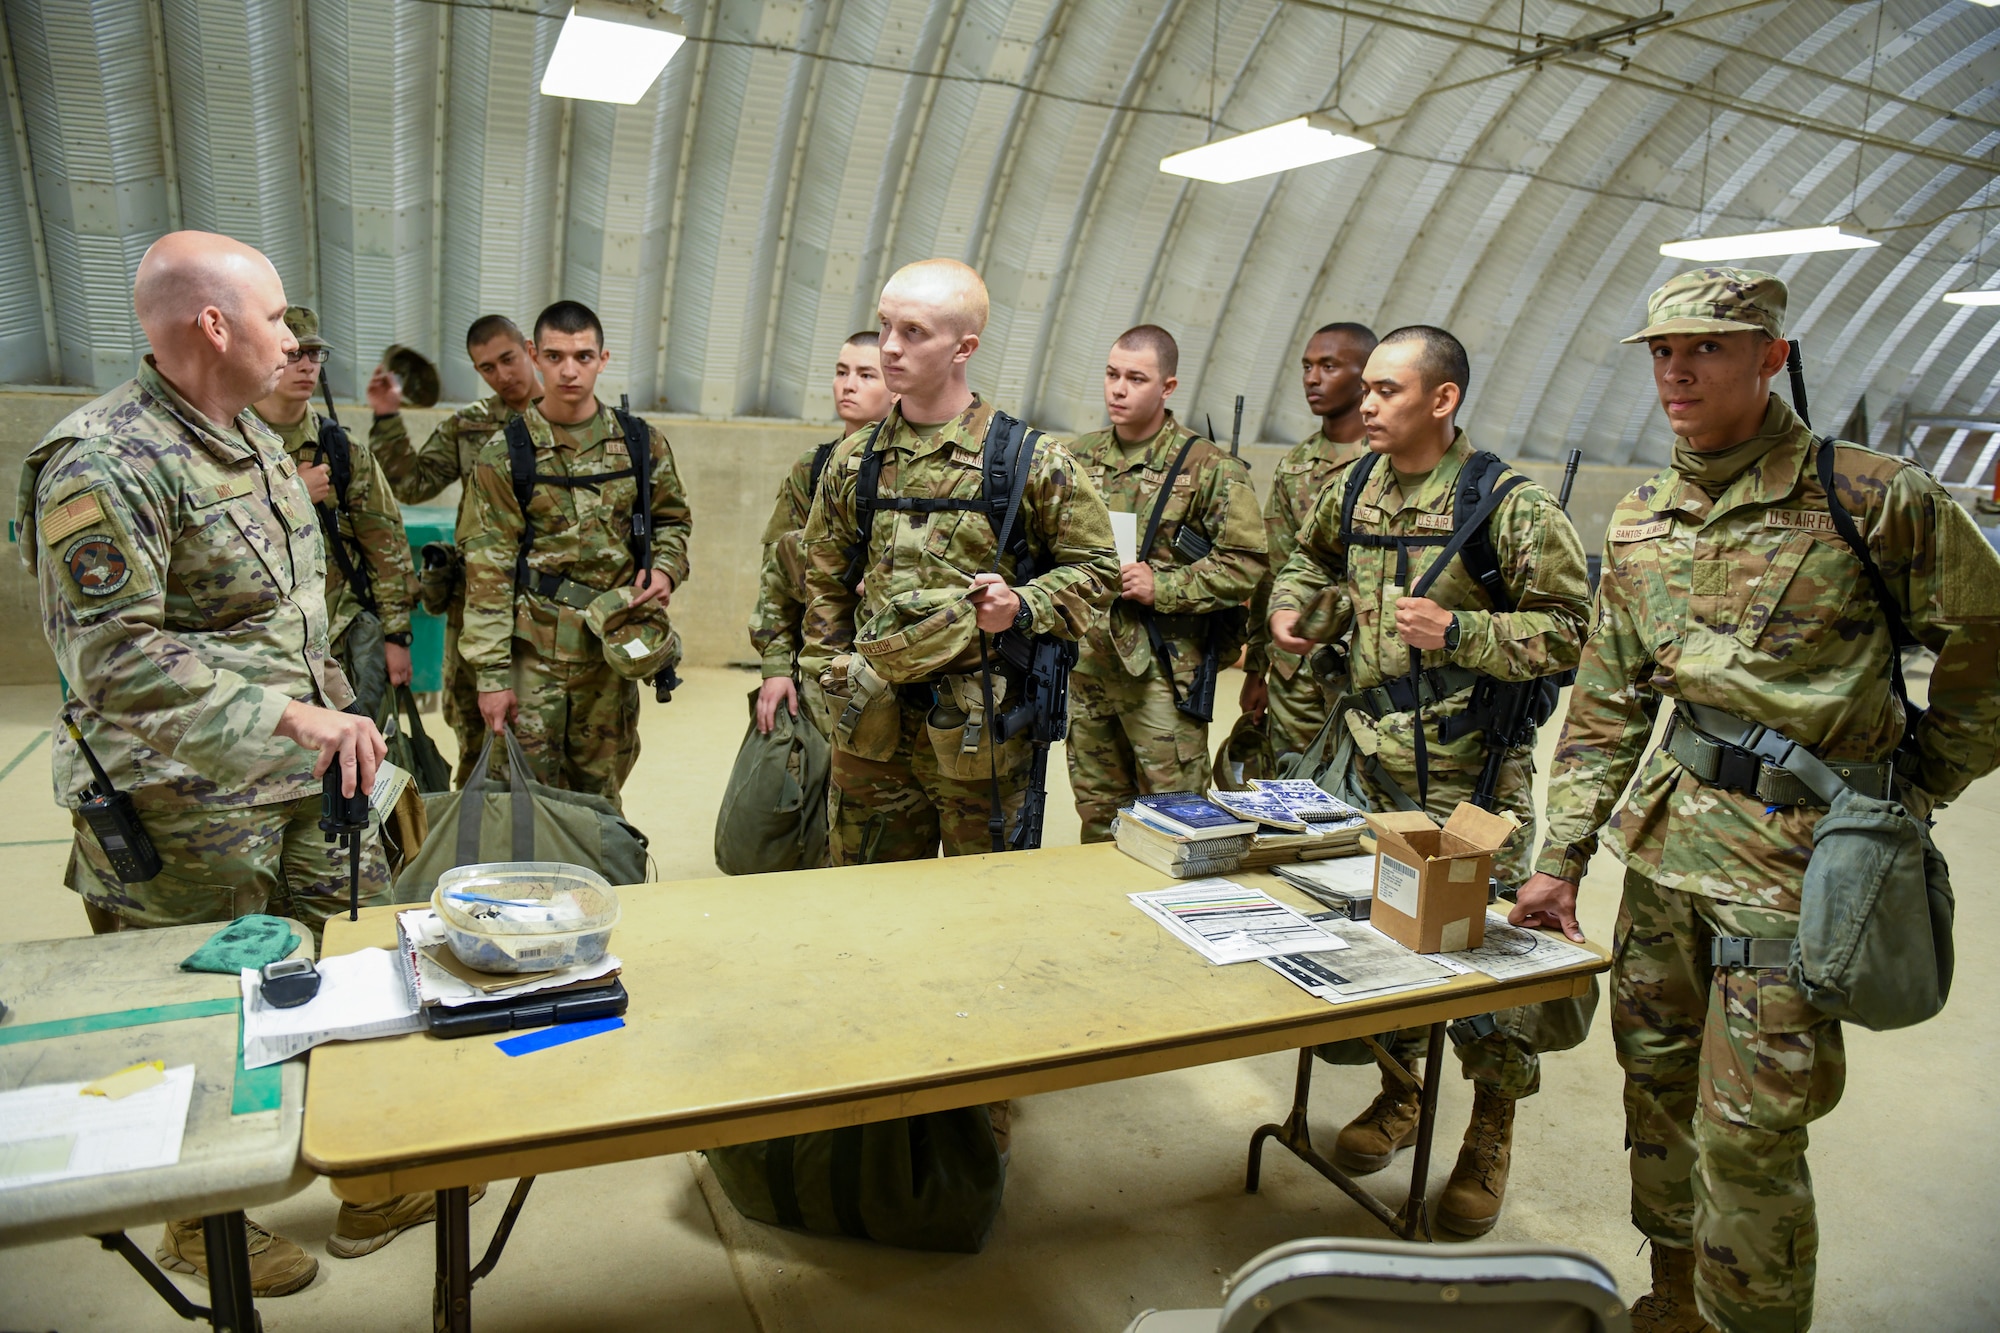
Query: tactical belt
x=559 y=588
x=1726 y=751
x=1746 y=951
x=1419 y=689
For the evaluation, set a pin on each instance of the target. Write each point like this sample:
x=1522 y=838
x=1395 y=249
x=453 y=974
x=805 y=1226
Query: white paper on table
x=361 y=995
x=1227 y=923
x=53 y=1132
x=419 y=929
x=1125 y=536
x=1511 y=951
x=1373 y=966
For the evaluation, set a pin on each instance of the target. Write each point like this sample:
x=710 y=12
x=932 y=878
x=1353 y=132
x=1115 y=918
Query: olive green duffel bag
x=927 y=1182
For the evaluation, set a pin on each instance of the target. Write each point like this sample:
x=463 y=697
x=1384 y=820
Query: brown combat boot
x=1470 y=1204
x=1372 y=1138
x=278 y=1267
x=1669 y=1307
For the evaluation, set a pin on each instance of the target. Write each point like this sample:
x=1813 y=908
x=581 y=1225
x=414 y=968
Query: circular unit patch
x=97 y=566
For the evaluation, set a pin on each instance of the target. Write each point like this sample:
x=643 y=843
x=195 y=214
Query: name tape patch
x=1799 y=520
x=1638 y=532
x=1367 y=514
x=1435 y=522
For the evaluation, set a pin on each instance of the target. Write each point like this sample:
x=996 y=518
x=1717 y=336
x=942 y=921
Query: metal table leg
x=1412 y=1222
x=229 y=1302
x=451 y=1297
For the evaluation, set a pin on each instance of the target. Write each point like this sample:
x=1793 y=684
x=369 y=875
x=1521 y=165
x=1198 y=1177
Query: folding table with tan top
x=769 y=1005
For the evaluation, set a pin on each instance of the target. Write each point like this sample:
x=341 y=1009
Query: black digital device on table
x=290 y=982
x=539 y=1009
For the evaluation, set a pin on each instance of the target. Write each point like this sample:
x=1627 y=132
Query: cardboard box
x=1430 y=882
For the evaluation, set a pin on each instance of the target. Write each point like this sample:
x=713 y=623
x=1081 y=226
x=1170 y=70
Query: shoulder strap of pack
x=821 y=457
x=867 y=482
x=1466 y=525
x=1899 y=630
x=639 y=448
x=1009 y=455
x=1476 y=482
x=521 y=472
x=1358 y=473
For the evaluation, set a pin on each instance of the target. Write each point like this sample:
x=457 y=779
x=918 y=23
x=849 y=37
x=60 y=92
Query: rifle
x=1043 y=716
x=1517 y=708
x=338 y=452
x=641 y=453
x=1795 y=365
x=1236 y=431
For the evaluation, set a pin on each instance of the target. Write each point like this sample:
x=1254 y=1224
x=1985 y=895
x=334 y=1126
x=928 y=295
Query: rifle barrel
x=1570 y=465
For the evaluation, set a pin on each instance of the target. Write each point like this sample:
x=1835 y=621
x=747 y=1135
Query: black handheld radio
x=115 y=821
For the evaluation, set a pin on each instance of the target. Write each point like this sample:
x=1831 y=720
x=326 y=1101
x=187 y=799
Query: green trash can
x=426 y=524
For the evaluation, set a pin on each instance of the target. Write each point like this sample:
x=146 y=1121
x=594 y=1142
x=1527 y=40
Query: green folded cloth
x=248 y=941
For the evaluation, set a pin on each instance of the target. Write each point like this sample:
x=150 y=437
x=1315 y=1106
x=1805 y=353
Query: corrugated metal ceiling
x=395 y=160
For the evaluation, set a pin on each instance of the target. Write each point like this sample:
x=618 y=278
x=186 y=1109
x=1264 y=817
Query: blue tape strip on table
x=543 y=1038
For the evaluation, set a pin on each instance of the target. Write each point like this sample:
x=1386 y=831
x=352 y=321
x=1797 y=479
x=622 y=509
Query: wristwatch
x=401 y=639
x=1451 y=634
x=1024 y=619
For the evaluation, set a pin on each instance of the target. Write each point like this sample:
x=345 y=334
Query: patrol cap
x=304 y=325
x=415 y=372
x=1716 y=300
x=639 y=641
x=918 y=634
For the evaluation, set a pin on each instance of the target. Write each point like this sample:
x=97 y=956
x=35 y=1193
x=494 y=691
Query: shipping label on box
x=1430 y=882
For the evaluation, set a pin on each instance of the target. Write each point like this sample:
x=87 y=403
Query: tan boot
x=1470 y=1204
x=1372 y=1138
x=1669 y=1307
x=364 y=1228
x=278 y=1267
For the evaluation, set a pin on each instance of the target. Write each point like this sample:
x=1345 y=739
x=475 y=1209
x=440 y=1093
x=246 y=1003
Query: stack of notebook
x=1295 y=820
x=1183 y=835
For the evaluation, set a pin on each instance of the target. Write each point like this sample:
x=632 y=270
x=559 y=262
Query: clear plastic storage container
x=525 y=916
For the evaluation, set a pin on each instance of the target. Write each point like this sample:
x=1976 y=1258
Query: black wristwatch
x=1451 y=634
x=1024 y=619
x=401 y=639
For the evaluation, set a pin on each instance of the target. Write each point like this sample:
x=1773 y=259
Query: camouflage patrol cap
x=414 y=371
x=918 y=634
x=1716 y=300
x=639 y=641
x=304 y=325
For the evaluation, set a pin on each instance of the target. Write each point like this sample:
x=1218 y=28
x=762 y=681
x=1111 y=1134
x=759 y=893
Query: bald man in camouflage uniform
x=367 y=523
x=1127 y=734
x=898 y=790
x=1281 y=685
x=1365 y=587
x=1727 y=586
x=506 y=361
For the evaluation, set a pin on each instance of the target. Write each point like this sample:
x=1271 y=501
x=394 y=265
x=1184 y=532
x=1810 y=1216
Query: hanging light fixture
x=1299 y=142
x=608 y=52
x=1767 y=244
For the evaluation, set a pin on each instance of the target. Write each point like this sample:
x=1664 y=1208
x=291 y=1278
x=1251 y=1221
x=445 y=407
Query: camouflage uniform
x=1748 y=601
x=371 y=523
x=900 y=806
x=578 y=718
x=776 y=621
x=1298 y=706
x=1541 y=563
x=183 y=590
x=1126 y=736
x=417 y=476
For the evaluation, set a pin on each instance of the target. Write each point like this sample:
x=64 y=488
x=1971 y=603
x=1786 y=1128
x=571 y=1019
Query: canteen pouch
x=437 y=584
x=862 y=713
x=928 y=1182
x=953 y=725
x=1875 y=914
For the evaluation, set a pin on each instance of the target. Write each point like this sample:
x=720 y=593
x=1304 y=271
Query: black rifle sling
x=821 y=456
x=1899 y=631
x=332 y=448
x=1151 y=534
x=521 y=472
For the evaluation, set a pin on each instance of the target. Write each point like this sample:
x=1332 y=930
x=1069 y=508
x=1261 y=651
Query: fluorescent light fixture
x=1978 y=296
x=1765 y=244
x=1294 y=143
x=610 y=53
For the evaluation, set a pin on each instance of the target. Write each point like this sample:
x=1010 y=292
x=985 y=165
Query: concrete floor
x=1121 y=1196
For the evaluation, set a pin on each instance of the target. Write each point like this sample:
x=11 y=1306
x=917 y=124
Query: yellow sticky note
x=131 y=1079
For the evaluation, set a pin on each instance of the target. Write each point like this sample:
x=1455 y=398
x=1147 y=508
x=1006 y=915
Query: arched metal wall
x=396 y=161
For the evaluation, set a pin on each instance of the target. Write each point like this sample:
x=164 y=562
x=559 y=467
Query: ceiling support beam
x=163 y=107
x=37 y=242
x=788 y=214
x=440 y=101
x=308 y=172
x=1040 y=61
x=677 y=222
